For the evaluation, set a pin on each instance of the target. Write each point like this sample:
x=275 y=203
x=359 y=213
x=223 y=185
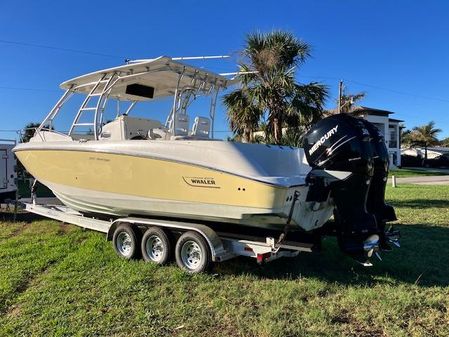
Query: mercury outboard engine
x=376 y=196
x=346 y=160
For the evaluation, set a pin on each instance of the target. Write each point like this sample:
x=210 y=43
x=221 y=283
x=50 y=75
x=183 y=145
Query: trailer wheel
x=192 y=253
x=126 y=241
x=156 y=246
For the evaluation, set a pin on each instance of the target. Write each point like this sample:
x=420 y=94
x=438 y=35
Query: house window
x=381 y=128
x=393 y=137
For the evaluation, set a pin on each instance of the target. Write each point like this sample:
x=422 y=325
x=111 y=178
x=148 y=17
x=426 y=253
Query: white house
x=389 y=127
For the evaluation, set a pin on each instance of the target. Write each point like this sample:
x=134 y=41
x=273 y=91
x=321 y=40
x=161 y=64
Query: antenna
x=181 y=58
x=200 y=57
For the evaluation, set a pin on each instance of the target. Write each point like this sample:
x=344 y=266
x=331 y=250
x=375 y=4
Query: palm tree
x=243 y=115
x=348 y=101
x=406 y=138
x=445 y=142
x=268 y=87
x=425 y=135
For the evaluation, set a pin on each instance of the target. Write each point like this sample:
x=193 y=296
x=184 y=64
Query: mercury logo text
x=325 y=137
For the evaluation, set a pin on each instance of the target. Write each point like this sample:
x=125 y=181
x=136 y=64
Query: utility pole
x=340 y=94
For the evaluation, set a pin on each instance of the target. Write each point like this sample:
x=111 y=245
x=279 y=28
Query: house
x=389 y=127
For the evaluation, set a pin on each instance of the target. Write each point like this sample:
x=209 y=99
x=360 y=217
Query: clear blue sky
x=395 y=51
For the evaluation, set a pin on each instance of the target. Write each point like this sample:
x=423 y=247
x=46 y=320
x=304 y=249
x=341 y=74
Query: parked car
x=411 y=161
x=440 y=161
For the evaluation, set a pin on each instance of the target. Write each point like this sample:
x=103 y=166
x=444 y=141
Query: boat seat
x=201 y=127
x=181 y=123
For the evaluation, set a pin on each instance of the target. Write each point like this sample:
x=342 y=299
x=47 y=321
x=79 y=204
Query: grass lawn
x=58 y=280
x=416 y=172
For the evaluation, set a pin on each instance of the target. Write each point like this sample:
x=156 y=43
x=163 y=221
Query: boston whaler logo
x=201 y=182
x=320 y=141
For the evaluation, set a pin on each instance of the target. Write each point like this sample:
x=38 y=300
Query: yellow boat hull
x=121 y=185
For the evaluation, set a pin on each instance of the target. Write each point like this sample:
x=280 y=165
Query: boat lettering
x=99 y=159
x=325 y=137
x=201 y=182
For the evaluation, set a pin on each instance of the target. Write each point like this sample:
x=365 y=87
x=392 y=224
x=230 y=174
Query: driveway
x=430 y=169
x=424 y=180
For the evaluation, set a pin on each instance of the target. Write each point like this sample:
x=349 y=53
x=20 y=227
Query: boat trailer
x=197 y=245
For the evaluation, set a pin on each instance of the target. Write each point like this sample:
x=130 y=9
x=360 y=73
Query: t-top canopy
x=147 y=79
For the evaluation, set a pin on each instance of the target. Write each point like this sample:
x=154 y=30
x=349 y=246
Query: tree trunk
x=425 y=151
x=276 y=108
x=276 y=130
x=247 y=135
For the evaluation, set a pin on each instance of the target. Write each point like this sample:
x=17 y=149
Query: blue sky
x=395 y=51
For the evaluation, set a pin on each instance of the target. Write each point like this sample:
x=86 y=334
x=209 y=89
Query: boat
x=134 y=166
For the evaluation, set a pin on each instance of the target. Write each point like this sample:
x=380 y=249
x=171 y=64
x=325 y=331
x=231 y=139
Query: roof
x=442 y=149
x=360 y=110
x=363 y=110
x=395 y=120
x=160 y=75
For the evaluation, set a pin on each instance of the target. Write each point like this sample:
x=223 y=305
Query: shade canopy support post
x=213 y=105
x=176 y=104
x=53 y=112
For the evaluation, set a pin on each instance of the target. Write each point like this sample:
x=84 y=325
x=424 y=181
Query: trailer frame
x=223 y=246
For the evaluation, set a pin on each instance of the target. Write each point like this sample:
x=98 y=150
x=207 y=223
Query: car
x=411 y=161
x=440 y=161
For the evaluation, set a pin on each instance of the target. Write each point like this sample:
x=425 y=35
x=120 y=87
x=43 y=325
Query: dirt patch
x=362 y=331
x=14 y=311
x=63 y=228
x=22 y=287
x=20 y=227
x=354 y=328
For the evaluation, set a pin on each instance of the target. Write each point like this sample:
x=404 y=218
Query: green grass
x=416 y=172
x=58 y=280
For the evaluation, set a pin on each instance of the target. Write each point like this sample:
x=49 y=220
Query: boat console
x=131 y=128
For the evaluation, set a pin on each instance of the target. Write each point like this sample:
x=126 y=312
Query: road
x=424 y=180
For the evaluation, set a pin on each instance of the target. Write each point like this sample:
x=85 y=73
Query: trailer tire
x=126 y=241
x=193 y=253
x=156 y=246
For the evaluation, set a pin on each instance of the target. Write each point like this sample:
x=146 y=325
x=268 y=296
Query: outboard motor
x=376 y=196
x=340 y=151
